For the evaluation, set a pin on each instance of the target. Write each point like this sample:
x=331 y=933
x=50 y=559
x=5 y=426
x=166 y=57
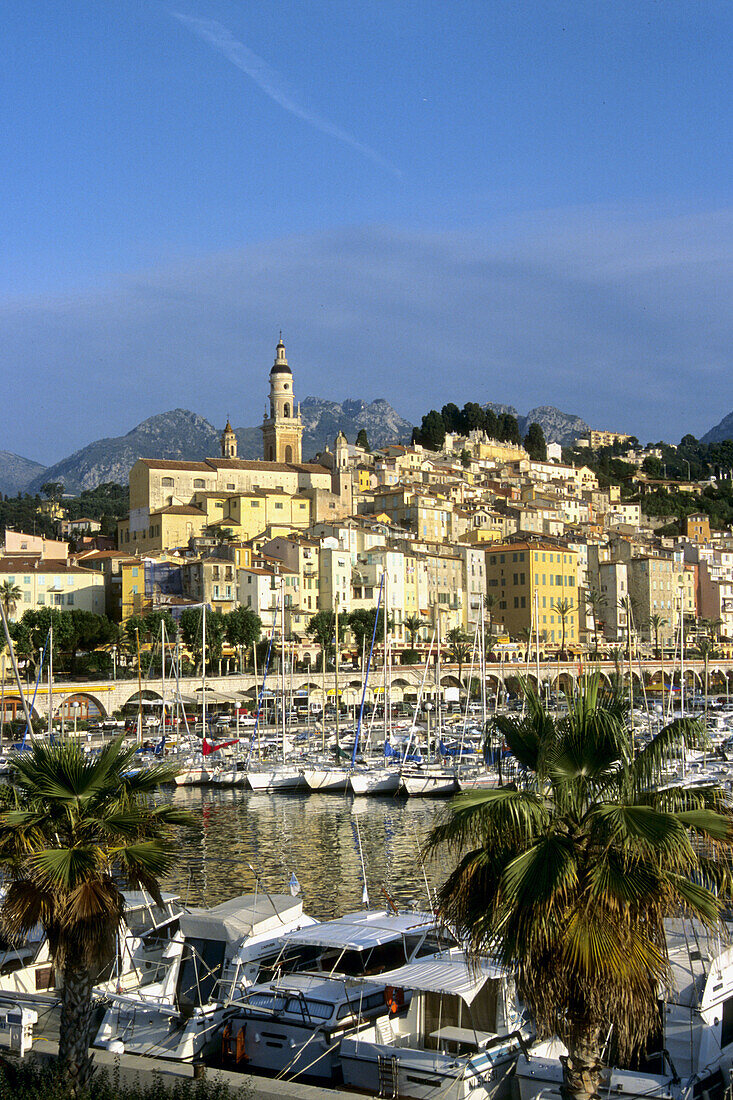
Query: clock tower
x=282 y=430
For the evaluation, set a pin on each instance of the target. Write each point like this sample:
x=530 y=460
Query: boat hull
x=374 y=783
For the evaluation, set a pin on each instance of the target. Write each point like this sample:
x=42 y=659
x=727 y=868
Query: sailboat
x=283 y=776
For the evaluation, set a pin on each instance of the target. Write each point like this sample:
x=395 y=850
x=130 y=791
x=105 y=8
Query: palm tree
x=77 y=831
x=567 y=877
x=9 y=596
x=460 y=649
x=595 y=601
x=564 y=609
x=656 y=622
x=413 y=624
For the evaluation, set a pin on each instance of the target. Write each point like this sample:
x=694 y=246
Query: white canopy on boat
x=447 y=974
x=249 y=914
x=361 y=931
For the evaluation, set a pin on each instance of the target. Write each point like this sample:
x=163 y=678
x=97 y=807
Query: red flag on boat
x=207 y=747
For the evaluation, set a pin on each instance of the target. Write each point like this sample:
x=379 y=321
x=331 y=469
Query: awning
x=222 y=696
x=450 y=974
x=360 y=931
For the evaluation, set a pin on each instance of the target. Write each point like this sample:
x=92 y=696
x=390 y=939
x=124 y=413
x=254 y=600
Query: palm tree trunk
x=581 y=1070
x=76 y=1023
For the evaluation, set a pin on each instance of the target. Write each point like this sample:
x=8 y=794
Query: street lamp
x=75 y=706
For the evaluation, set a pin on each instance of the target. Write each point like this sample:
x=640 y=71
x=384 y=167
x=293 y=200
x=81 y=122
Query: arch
x=13 y=707
x=450 y=681
x=288 y=454
x=286 y=409
x=89 y=707
x=271 y=453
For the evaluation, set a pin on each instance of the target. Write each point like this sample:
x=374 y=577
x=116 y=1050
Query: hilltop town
x=522 y=533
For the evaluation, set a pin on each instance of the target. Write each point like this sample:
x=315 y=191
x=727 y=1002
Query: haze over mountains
x=183 y=434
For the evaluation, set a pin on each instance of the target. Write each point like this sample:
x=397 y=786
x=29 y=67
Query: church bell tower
x=282 y=430
x=228 y=442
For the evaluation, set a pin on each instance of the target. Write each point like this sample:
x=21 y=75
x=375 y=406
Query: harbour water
x=241 y=835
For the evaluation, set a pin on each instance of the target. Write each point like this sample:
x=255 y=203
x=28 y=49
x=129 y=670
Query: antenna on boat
x=357 y=834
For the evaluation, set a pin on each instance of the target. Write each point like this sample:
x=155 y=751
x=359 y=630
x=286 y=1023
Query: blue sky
x=522 y=202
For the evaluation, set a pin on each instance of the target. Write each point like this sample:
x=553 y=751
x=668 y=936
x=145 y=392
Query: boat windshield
x=201 y=966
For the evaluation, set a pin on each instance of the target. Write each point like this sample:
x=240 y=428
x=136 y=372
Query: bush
x=41 y=1081
x=410 y=657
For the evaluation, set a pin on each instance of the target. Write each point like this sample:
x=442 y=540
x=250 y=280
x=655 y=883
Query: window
x=279 y=504
x=58 y=599
x=167 y=481
x=41 y=580
x=69 y=599
x=231 y=485
x=41 y=599
x=26 y=596
x=134 y=570
x=516 y=601
x=198 y=483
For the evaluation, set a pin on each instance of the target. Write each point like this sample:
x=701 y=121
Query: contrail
x=272 y=83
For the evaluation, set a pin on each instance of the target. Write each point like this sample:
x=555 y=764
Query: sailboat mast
x=282 y=660
x=162 y=673
x=336 y=672
x=50 y=680
x=438 y=699
x=203 y=670
x=482 y=663
x=384 y=697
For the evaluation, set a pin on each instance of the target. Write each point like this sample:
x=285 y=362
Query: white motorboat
x=459 y=1038
x=327 y=981
x=26 y=968
x=371 y=781
x=694 y=1049
x=216 y=955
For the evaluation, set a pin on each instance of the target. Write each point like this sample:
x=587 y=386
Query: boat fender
x=394 y=998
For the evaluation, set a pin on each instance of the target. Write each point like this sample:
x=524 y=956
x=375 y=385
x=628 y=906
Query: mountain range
x=182 y=434
x=186 y=435
x=558 y=427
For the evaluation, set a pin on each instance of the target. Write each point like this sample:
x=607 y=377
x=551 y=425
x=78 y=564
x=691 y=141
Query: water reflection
x=241 y=834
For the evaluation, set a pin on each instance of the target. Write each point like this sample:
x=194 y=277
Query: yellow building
x=518 y=571
x=167 y=527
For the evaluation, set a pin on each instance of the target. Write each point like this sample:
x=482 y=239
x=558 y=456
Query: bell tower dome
x=282 y=431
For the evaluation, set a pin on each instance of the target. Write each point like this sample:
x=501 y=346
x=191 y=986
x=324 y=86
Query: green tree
x=242 y=627
x=361 y=624
x=77 y=831
x=322 y=629
x=452 y=420
x=534 y=443
x=53 y=490
x=432 y=431
x=567 y=877
x=473 y=417
x=362 y=440
x=87 y=631
x=465 y=458
x=192 y=632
